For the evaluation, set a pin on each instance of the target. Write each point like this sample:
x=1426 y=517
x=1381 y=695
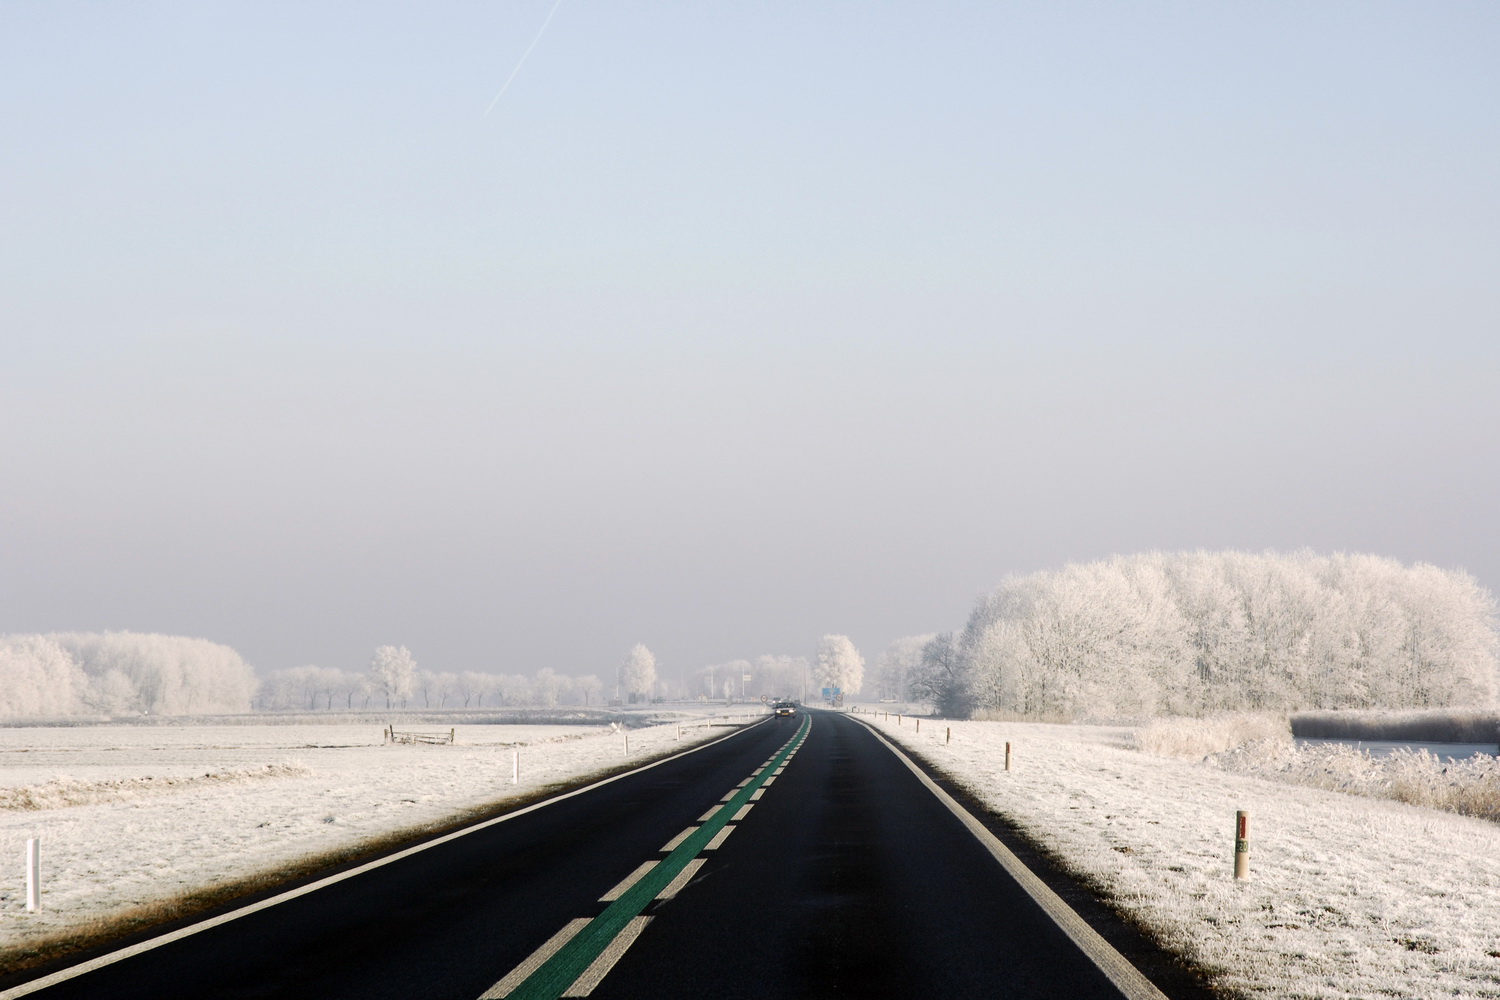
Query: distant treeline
x=1201 y=632
x=119 y=673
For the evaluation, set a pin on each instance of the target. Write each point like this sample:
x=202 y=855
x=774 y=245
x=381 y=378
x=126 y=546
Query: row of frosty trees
x=1200 y=632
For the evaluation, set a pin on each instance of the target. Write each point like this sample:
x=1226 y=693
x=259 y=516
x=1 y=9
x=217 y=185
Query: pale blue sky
x=731 y=324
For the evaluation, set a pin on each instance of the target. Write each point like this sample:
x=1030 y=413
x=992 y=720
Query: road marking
x=683 y=878
x=534 y=961
x=1127 y=978
x=130 y=951
x=568 y=971
x=747 y=780
x=755 y=795
x=599 y=968
x=730 y=794
x=628 y=881
x=769 y=780
x=676 y=841
x=719 y=838
x=710 y=814
x=744 y=811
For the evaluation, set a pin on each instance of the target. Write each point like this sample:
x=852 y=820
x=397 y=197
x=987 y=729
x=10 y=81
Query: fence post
x=33 y=874
x=898 y=718
x=1242 y=844
x=919 y=725
x=1007 y=755
x=452 y=737
x=515 y=767
x=679 y=730
x=627 y=744
x=949 y=737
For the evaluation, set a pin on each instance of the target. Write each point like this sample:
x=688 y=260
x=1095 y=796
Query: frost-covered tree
x=897 y=663
x=38 y=679
x=638 y=673
x=839 y=665
x=392 y=673
x=1213 y=631
x=547 y=687
x=589 y=686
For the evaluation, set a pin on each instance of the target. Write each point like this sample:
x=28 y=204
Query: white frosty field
x=1349 y=897
x=175 y=809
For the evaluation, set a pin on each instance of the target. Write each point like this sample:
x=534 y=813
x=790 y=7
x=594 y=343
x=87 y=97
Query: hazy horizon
x=726 y=327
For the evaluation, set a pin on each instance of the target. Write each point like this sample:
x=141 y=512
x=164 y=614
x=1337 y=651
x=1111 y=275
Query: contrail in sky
x=556 y=4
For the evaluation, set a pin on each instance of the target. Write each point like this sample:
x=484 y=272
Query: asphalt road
x=841 y=875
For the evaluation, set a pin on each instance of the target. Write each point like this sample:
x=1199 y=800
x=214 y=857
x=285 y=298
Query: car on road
x=785 y=708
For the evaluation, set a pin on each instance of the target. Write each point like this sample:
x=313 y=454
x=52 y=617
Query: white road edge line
x=62 y=975
x=628 y=881
x=534 y=961
x=1127 y=978
x=599 y=967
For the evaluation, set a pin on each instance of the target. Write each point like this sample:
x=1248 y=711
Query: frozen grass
x=152 y=816
x=1194 y=738
x=68 y=791
x=1350 y=897
x=1442 y=725
x=1469 y=787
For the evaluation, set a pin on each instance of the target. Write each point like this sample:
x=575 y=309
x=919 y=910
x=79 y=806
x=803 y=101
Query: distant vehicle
x=785 y=708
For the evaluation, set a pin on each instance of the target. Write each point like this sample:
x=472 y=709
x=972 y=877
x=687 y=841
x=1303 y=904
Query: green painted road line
x=555 y=975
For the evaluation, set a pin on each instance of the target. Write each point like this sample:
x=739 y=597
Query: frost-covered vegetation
x=1196 y=738
x=119 y=673
x=1469 y=787
x=1204 y=632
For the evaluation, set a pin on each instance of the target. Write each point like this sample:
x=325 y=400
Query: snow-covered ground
x=1349 y=897
x=131 y=815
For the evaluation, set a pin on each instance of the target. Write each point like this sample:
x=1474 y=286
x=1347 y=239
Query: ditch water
x=1384 y=748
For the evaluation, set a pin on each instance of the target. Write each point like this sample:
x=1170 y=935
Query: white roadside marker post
x=1242 y=844
x=1007 y=755
x=919 y=725
x=627 y=744
x=33 y=875
x=949 y=738
x=515 y=767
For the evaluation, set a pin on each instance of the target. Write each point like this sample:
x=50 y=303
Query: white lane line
x=743 y=810
x=768 y=781
x=730 y=794
x=710 y=814
x=599 y=967
x=720 y=837
x=755 y=795
x=534 y=961
x=1127 y=978
x=673 y=844
x=683 y=878
x=83 y=968
x=628 y=881
x=744 y=783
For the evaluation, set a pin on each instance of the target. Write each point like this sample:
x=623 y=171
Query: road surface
x=800 y=858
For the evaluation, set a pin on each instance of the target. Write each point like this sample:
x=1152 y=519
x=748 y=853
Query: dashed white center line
x=744 y=809
x=671 y=845
x=630 y=880
x=755 y=795
x=710 y=814
x=599 y=968
x=534 y=961
x=720 y=837
x=683 y=878
x=769 y=780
